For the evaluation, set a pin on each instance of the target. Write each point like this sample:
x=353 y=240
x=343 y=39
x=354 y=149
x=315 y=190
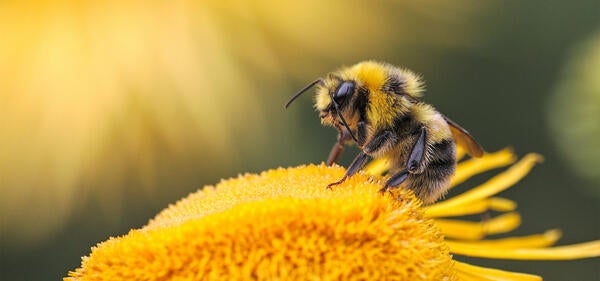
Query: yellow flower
x=284 y=224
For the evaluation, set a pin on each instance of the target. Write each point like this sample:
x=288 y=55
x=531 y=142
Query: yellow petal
x=500 y=204
x=496 y=184
x=575 y=251
x=488 y=161
x=377 y=167
x=476 y=230
x=467 y=272
x=494 y=203
x=545 y=239
x=460 y=152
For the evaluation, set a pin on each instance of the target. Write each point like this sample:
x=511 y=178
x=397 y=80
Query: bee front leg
x=380 y=140
x=356 y=164
x=338 y=147
x=413 y=164
x=343 y=138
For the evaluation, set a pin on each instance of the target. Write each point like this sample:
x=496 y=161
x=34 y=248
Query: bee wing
x=464 y=139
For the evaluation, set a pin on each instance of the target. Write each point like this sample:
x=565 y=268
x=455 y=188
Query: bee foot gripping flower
x=284 y=224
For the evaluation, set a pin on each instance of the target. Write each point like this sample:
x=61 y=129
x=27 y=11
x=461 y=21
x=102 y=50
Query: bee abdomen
x=433 y=182
x=443 y=158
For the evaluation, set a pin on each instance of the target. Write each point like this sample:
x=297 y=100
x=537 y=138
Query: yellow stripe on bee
x=413 y=84
x=372 y=74
x=437 y=128
x=369 y=74
x=381 y=111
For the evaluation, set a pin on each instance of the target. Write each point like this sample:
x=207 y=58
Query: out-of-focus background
x=111 y=110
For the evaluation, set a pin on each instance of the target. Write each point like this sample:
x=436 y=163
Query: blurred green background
x=111 y=110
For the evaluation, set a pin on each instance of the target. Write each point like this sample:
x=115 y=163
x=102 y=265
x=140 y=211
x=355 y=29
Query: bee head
x=333 y=97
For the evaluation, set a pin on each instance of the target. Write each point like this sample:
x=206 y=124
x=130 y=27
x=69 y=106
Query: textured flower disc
x=282 y=224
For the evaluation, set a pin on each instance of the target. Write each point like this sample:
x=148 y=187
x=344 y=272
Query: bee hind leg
x=356 y=164
x=395 y=180
x=415 y=160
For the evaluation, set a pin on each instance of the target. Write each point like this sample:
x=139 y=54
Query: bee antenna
x=302 y=91
x=339 y=113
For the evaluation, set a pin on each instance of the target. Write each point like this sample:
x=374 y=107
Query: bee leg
x=379 y=141
x=338 y=147
x=412 y=165
x=416 y=154
x=343 y=138
x=395 y=180
x=335 y=153
x=358 y=163
x=361 y=133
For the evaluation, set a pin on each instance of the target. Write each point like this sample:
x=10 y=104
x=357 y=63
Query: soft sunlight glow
x=98 y=96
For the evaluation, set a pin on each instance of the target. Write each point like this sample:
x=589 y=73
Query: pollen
x=281 y=224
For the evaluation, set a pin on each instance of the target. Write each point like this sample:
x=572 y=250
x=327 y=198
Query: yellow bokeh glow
x=95 y=93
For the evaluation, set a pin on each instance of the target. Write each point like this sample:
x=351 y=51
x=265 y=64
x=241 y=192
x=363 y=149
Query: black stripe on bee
x=406 y=125
x=443 y=159
x=393 y=84
x=383 y=138
x=361 y=103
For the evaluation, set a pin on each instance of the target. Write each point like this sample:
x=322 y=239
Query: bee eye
x=345 y=89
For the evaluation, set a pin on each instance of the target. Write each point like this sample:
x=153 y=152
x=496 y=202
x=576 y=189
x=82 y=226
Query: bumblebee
x=376 y=106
